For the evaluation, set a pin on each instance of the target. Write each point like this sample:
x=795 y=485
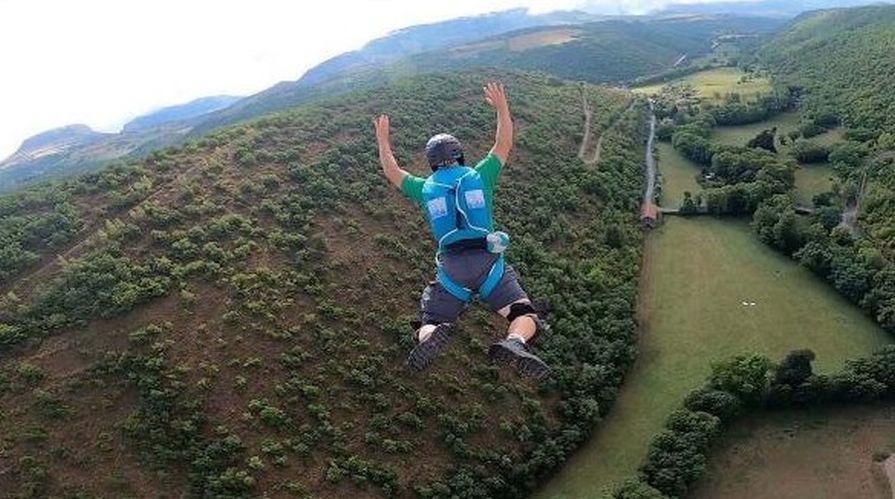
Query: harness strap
x=493 y=278
x=465 y=294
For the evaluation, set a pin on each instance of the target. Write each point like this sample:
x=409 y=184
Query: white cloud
x=101 y=62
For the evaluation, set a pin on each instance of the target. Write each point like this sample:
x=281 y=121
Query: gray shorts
x=468 y=268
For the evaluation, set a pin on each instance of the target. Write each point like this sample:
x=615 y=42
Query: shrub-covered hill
x=844 y=60
x=843 y=63
x=230 y=318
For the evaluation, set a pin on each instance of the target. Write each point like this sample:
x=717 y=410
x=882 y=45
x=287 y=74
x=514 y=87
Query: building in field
x=649 y=215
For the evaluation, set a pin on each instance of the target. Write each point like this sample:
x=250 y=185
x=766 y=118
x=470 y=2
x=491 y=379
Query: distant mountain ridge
x=191 y=109
x=171 y=125
x=571 y=45
x=381 y=51
x=584 y=51
x=778 y=8
x=55 y=141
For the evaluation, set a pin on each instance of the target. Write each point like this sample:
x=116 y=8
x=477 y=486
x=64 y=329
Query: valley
x=709 y=290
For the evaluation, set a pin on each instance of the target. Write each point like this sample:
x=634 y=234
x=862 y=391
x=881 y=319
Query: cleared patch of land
x=678 y=175
x=812 y=180
x=825 y=453
x=541 y=39
x=520 y=43
x=702 y=271
x=714 y=84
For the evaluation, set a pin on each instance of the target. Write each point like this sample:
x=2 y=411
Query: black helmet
x=444 y=149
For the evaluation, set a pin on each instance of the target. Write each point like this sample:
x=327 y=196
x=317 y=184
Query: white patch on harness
x=475 y=198
x=437 y=207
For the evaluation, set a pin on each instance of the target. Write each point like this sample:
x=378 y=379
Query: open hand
x=495 y=95
x=382 y=128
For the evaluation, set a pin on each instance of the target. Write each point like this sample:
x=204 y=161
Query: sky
x=103 y=62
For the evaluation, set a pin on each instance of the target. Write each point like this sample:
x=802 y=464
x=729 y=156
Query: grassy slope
x=282 y=271
x=795 y=454
x=699 y=272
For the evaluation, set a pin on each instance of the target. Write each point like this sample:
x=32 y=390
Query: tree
x=795 y=368
x=807 y=151
x=764 y=140
x=745 y=376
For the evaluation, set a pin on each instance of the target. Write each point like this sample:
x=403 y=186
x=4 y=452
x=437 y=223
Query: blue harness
x=457 y=210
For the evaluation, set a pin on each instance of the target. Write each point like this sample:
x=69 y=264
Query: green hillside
x=601 y=52
x=230 y=318
x=844 y=61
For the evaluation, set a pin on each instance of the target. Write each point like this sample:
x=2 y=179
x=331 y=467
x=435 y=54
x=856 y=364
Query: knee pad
x=519 y=309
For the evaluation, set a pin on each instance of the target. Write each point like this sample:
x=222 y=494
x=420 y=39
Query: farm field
x=822 y=453
x=712 y=85
x=678 y=175
x=701 y=279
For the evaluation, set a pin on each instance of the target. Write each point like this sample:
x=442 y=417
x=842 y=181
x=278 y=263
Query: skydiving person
x=458 y=201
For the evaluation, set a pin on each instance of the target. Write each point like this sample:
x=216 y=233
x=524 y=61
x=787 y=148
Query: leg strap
x=465 y=294
x=458 y=291
x=493 y=279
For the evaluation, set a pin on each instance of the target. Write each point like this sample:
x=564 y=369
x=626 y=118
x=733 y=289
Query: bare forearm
x=503 y=142
x=390 y=167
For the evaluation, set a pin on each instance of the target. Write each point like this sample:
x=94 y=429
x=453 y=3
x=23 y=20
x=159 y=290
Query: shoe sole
x=424 y=353
x=526 y=365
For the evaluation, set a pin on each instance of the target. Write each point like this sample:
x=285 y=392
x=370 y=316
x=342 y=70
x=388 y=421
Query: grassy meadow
x=678 y=175
x=812 y=180
x=712 y=85
x=699 y=273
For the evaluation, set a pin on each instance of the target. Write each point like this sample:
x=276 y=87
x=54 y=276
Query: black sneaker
x=424 y=352
x=517 y=354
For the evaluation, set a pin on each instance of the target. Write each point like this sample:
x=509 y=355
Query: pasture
x=710 y=289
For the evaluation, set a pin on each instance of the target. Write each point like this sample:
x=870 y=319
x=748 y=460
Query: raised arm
x=496 y=97
x=390 y=167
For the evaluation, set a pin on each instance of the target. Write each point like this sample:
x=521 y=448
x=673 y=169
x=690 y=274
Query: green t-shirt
x=488 y=168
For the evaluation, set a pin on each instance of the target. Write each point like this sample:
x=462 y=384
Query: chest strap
x=465 y=294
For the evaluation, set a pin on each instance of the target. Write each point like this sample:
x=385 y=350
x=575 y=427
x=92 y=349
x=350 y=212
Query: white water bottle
x=497 y=241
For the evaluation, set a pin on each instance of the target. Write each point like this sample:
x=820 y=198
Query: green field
x=678 y=175
x=812 y=180
x=697 y=275
x=712 y=85
x=794 y=454
x=741 y=134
